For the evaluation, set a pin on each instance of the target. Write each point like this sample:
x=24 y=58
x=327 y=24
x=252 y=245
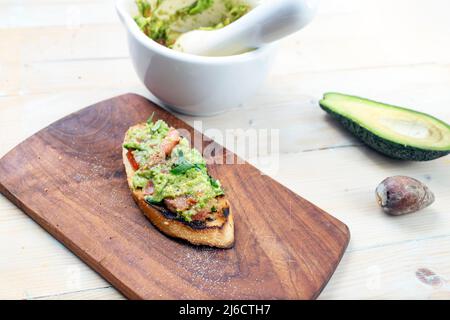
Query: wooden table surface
x=57 y=56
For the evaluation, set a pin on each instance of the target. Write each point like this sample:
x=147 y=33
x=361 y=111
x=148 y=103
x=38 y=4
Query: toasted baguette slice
x=216 y=233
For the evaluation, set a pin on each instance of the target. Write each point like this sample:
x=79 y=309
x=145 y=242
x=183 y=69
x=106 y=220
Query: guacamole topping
x=165 y=20
x=180 y=174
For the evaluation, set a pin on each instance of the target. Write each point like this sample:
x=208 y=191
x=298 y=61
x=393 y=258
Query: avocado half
x=397 y=132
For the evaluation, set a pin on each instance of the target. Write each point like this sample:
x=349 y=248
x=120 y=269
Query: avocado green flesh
x=164 y=20
x=394 y=131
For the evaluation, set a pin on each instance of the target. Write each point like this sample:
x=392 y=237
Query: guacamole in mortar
x=165 y=20
x=181 y=173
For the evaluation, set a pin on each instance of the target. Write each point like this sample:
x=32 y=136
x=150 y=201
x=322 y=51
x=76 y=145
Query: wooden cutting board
x=70 y=179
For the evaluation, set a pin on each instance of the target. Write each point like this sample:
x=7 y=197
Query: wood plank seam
x=63 y=293
x=385 y=245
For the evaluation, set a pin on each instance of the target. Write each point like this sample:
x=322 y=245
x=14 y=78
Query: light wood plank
x=391 y=272
x=333 y=198
x=286 y=102
x=108 y=293
x=347 y=48
x=297 y=53
x=342 y=181
x=22 y=116
x=73 y=75
x=332 y=42
x=35 y=264
x=367 y=274
x=334 y=188
x=53 y=44
x=290 y=103
x=70 y=14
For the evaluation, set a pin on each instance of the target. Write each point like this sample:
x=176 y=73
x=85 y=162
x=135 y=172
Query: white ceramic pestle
x=267 y=22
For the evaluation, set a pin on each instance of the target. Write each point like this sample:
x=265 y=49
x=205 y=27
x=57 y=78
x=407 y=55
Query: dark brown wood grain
x=70 y=179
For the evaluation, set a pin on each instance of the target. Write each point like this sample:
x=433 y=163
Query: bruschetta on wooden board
x=70 y=178
x=170 y=183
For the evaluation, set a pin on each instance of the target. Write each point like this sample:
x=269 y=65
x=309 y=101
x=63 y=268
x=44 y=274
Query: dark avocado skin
x=386 y=147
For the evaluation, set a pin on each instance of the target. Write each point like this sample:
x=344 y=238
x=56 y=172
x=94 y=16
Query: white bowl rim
x=137 y=33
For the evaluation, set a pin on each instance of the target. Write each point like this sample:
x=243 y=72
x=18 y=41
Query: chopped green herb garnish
x=214 y=182
x=132 y=146
x=150 y=200
x=150 y=119
x=156 y=126
x=182 y=165
x=199 y=6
